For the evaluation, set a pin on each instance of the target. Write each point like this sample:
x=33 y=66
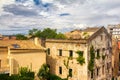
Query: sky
x=19 y=16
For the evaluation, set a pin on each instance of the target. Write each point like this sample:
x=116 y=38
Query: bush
x=54 y=77
x=4 y=76
x=26 y=74
x=14 y=77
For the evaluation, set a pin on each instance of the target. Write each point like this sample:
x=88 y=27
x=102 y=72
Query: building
x=114 y=30
x=72 y=57
x=15 y=54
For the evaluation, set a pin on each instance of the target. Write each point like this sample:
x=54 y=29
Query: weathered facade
x=62 y=56
x=114 y=31
x=21 y=53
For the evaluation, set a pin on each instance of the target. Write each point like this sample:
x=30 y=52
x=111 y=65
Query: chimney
x=39 y=42
x=43 y=41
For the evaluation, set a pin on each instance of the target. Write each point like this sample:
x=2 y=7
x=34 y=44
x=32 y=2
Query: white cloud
x=47 y=14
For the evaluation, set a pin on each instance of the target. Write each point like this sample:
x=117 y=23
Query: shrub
x=4 y=76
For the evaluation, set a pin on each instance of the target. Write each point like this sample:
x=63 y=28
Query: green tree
x=48 y=33
x=43 y=72
x=34 y=32
x=20 y=37
x=60 y=36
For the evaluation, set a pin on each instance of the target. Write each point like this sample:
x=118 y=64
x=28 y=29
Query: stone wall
x=31 y=59
x=56 y=61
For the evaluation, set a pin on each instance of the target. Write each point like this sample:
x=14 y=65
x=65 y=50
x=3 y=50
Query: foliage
x=60 y=36
x=14 y=77
x=24 y=74
x=20 y=37
x=86 y=35
x=34 y=32
x=49 y=33
x=46 y=33
x=43 y=72
x=54 y=77
x=80 y=57
x=4 y=76
x=92 y=57
x=66 y=63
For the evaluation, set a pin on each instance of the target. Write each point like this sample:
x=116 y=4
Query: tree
x=34 y=32
x=48 y=33
x=20 y=37
x=43 y=72
x=60 y=36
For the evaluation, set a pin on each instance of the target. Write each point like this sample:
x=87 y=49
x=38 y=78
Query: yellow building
x=62 y=56
x=21 y=53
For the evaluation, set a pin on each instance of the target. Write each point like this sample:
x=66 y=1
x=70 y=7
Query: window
x=48 y=51
x=103 y=70
x=92 y=74
x=60 y=52
x=16 y=45
x=70 y=72
x=60 y=70
x=97 y=71
x=103 y=49
x=98 y=53
x=101 y=36
x=70 y=53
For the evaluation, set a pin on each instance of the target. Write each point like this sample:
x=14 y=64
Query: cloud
x=63 y=15
x=20 y=10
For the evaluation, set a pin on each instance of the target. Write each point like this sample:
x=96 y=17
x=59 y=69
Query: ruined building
x=86 y=57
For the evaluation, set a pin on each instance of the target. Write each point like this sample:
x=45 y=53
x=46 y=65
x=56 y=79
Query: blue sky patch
x=64 y=14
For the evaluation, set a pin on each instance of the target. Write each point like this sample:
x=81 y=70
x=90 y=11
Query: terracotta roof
x=19 y=44
x=81 y=34
x=92 y=29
